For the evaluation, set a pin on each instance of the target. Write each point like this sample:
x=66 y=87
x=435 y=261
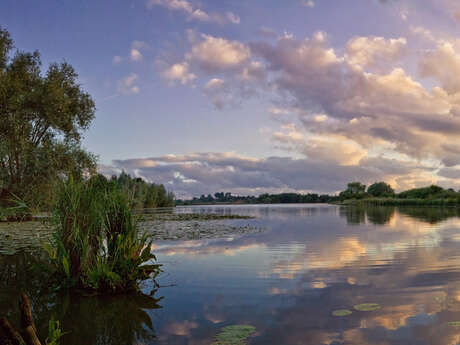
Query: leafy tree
x=424 y=193
x=354 y=190
x=143 y=194
x=42 y=117
x=380 y=189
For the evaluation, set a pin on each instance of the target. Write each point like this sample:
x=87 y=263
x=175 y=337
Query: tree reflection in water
x=96 y=320
x=381 y=215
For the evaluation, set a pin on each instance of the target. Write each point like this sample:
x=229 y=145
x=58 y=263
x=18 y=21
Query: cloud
x=443 y=64
x=369 y=51
x=233 y=18
x=308 y=3
x=217 y=91
x=387 y=110
x=116 y=60
x=207 y=172
x=128 y=85
x=135 y=55
x=179 y=72
x=318 y=147
x=423 y=33
x=357 y=97
x=193 y=12
x=214 y=54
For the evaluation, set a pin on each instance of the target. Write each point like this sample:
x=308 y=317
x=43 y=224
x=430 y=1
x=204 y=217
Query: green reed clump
x=15 y=210
x=97 y=244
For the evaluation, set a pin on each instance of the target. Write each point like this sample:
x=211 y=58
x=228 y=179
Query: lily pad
x=234 y=335
x=367 y=307
x=454 y=324
x=342 y=312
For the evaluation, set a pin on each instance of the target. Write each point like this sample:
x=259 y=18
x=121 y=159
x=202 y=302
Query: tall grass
x=97 y=244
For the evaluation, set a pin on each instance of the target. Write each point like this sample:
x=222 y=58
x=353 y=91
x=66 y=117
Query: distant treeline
x=378 y=193
x=283 y=198
x=142 y=193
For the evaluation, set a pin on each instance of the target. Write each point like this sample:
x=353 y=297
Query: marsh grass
x=97 y=244
x=16 y=210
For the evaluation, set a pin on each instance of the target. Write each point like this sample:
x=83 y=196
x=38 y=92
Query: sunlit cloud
x=129 y=84
x=193 y=12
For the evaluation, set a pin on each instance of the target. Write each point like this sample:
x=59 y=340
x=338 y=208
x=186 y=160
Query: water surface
x=286 y=281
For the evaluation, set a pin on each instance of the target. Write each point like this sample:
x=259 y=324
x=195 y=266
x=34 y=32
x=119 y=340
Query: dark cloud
x=203 y=173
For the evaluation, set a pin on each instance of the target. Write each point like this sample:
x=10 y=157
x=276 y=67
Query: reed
x=97 y=244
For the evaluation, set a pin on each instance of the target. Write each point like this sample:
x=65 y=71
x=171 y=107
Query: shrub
x=97 y=244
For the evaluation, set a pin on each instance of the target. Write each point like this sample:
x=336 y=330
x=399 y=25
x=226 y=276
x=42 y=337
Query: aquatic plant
x=367 y=307
x=54 y=333
x=342 y=312
x=97 y=244
x=15 y=211
x=234 y=335
x=454 y=324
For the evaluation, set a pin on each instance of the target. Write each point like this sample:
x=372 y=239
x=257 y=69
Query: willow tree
x=42 y=117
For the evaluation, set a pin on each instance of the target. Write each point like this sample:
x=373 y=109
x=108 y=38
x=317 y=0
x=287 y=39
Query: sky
x=255 y=96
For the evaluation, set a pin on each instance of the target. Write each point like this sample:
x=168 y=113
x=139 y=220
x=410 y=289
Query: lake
x=286 y=281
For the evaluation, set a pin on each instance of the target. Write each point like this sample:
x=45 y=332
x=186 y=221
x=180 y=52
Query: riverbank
x=399 y=202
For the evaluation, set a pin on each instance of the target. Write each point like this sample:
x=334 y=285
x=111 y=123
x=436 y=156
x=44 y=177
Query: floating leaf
x=367 y=307
x=342 y=312
x=440 y=299
x=234 y=335
x=454 y=324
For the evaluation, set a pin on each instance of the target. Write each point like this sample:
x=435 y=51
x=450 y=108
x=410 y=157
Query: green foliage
x=380 y=189
x=18 y=210
x=283 y=198
x=143 y=194
x=43 y=115
x=97 y=244
x=381 y=194
x=355 y=190
x=431 y=192
x=54 y=333
x=234 y=335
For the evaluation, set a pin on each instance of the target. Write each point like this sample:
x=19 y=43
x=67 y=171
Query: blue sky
x=261 y=95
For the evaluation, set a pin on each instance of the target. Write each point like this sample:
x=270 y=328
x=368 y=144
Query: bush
x=97 y=244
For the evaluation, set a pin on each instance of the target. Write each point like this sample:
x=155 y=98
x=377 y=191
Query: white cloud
x=216 y=54
x=387 y=110
x=135 y=55
x=179 y=72
x=233 y=18
x=356 y=98
x=128 y=85
x=214 y=83
x=308 y=3
x=194 y=12
x=443 y=63
x=218 y=92
x=422 y=32
x=370 y=51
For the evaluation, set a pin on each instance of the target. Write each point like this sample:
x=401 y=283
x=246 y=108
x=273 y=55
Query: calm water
x=285 y=281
